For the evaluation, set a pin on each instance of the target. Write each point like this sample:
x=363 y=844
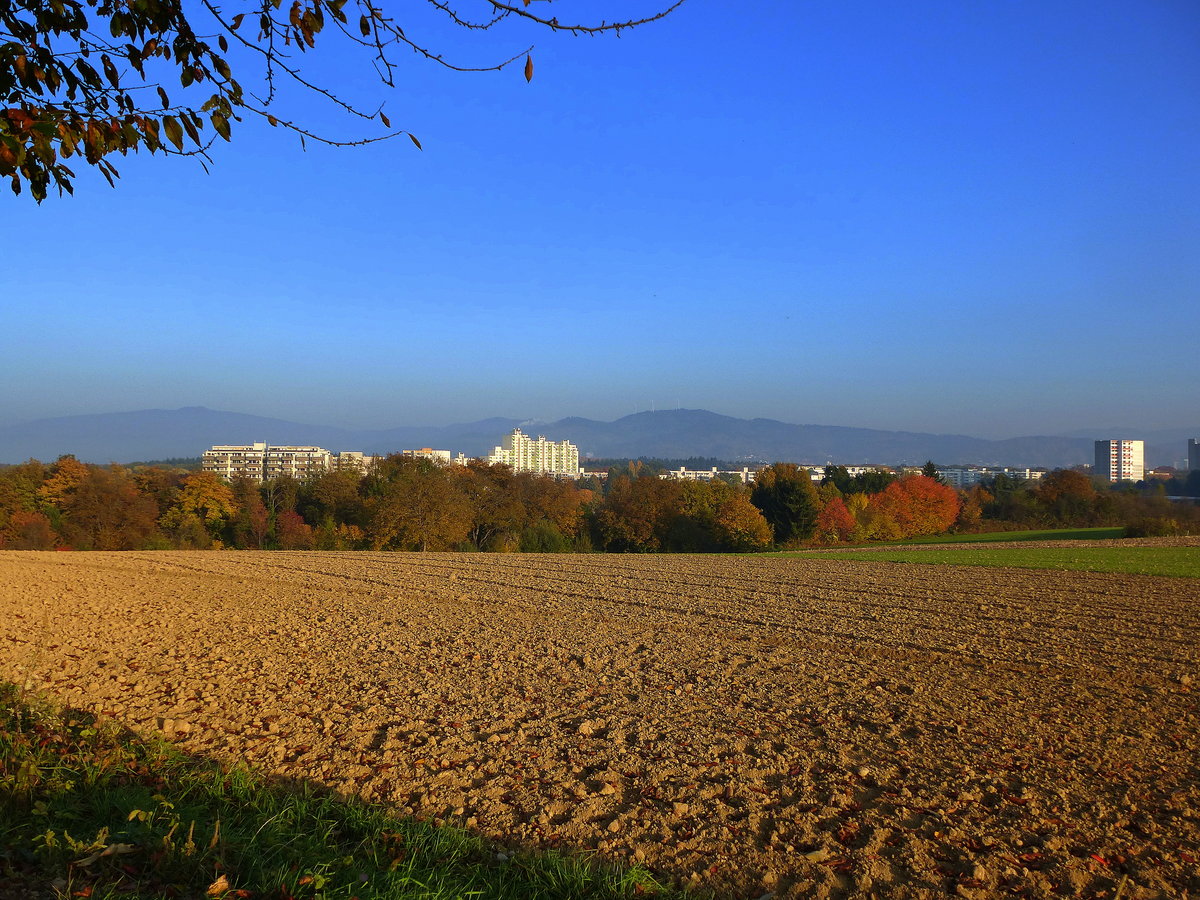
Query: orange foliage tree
x=834 y=522
x=918 y=505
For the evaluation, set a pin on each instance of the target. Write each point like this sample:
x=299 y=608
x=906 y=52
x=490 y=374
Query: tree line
x=412 y=504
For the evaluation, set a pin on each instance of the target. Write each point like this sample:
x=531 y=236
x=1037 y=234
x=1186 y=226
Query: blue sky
x=979 y=218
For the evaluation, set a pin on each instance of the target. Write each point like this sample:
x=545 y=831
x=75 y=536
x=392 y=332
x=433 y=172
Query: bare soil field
x=796 y=726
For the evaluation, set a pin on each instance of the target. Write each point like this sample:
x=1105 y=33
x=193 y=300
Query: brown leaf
x=529 y=68
x=413 y=138
x=219 y=887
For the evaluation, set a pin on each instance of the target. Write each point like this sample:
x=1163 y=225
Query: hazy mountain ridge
x=680 y=433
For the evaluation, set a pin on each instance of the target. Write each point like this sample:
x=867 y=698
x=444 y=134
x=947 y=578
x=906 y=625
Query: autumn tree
x=87 y=79
x=834 y=522
x=918 y=505
x=332 y=498
x=416 y=505
x=200 y=511
x=107 y=511
x=1069 y=498
x=20 y=486
x=787 y=498
x=251 y=521
x=638 y=513
x=292 y=532
x=546 y=499
x=66 y=474
x=740 y=526
x=497 y=514
x=27 y=530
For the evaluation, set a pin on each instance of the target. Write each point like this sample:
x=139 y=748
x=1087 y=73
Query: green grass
x=89 y=809
x=1048 y=534
x=1181 y=562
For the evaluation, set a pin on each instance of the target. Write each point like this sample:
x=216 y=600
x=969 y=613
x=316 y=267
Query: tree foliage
x=787 y=498
x=88 y=79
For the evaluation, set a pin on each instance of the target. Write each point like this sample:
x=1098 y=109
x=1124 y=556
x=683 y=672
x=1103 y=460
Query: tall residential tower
x=1121 y=460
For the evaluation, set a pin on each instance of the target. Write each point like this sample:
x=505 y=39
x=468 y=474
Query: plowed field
x=803 y=726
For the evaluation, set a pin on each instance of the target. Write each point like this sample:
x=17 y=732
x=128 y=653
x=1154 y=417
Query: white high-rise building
x=1118 y=460
x=537 y=455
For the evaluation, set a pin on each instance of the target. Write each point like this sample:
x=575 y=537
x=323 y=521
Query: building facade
x=1194 y=454
x=969 y=476
x=231 y=461
x=537 y=455
x=441 y=457
x=1119 y=460
x=261 y=461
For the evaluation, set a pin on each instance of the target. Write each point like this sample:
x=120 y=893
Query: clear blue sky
x=973 y=217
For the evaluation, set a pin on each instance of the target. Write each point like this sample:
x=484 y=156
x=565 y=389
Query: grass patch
x=88 y=809
x=1047 y=534
x=1104 y=533
x=1179 y=562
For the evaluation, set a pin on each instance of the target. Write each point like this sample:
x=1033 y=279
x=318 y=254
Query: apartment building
x=1194 y=454
x=353 y=459
x=969 y=476
x=1120 y=460
x=441 y=457
x=745 y=474
x=537 y=455
x=261 y=461
x=231 y=461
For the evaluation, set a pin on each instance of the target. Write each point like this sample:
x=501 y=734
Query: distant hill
x=666 y=434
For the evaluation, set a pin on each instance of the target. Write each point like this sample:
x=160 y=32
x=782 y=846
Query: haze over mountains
x=679 y=433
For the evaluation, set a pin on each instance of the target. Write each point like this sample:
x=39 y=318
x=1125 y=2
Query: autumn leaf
x=413 y=138
x=221 y=125
x=529 y=68
x=174 y=131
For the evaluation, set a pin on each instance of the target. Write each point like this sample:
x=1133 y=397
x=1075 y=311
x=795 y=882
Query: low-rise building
x=441 y=457
x=261 y=461
x=745 y=474
x=968 y=476
x=231 y=461
x=354 y=459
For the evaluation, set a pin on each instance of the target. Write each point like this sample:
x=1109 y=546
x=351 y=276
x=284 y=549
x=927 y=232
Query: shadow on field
x=91 y=808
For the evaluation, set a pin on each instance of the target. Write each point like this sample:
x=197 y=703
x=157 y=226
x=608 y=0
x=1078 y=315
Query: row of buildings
x=261 y=461
x=1115 y=460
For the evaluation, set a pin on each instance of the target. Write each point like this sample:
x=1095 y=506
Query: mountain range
x=669 y=434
